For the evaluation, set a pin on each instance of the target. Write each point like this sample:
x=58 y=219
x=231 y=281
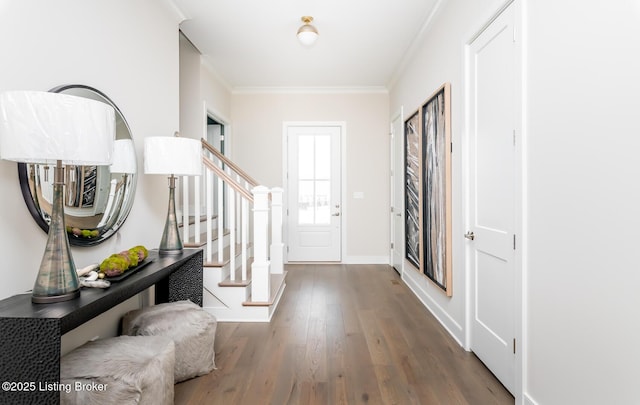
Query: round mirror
x=97 y=199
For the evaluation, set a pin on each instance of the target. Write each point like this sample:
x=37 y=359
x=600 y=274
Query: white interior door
x=491 y=193
x=314 y=200
x=214 y=135
x=397 y=192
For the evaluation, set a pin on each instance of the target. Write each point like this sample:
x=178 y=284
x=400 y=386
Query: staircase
x=238 y=224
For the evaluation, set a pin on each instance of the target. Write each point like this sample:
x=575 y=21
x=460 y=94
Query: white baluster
x=196 y=208
x=232 y=233
x=244 y=236
x=185 y=209
x=277 y=247
x=220 y=213
x=239 y=212
x=260 y=277
x=209 y=191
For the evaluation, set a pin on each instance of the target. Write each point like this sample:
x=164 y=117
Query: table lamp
x=172 y=156
x=124 y=164
x=124 y=157
x=57 y=129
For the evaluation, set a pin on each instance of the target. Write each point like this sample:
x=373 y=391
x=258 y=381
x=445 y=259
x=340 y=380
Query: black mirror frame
x=30 y=200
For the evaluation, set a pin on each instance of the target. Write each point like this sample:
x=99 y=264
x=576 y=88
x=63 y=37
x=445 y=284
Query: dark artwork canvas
x=412 y=189
x=435 y=154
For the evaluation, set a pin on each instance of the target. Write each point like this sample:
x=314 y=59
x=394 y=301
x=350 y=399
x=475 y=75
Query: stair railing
x=223 y=179
x=250 y=181
x=236 y=172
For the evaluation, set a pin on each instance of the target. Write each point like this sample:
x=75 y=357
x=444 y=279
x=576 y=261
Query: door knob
x=337 y=214
x=398 y=215
x=469 y=235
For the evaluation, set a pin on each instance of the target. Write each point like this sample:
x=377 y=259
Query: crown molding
x=311 y=90
x=411 y=50
x=173 y=8
x=206 y=63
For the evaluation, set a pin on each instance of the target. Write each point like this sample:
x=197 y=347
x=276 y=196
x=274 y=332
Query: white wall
x=257 y=121
x=191 y=112
x=437 y=60
x=200 y=87
x=583 y=142
x=217 y=97
x=126 y=49
x=581 y=301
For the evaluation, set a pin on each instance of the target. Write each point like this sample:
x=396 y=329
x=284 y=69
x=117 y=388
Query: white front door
x=397 y=192
x=493 y=82
x=313 y=193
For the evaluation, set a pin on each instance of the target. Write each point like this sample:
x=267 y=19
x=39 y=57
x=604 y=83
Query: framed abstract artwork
x=435 y=143
x=412 y=189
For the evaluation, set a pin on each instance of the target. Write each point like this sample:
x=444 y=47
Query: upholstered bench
x=121 y=370
x=191 y=328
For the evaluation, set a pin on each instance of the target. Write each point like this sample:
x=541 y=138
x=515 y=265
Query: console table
x=30 y=333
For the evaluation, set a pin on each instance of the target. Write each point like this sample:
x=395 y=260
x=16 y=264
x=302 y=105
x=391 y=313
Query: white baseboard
x=450 y=324
x=366 y=260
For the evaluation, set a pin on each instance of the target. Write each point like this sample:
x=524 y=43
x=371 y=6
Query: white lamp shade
x=124 y=157
x=307 y=38
x=172 y=155
x=42 y=127
x=307 y=33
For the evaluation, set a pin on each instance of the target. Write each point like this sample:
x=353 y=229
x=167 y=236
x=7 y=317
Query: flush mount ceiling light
x=307 y=33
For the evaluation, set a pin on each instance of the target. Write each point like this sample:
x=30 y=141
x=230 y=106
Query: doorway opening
x=216 y=134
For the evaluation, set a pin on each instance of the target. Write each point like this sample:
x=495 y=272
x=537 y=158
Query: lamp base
x=55 y=298
x=57 y=279
x=169 y=252
x=171 y=244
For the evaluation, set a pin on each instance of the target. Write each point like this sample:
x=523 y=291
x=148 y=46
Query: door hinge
x=514 y=345
x=391 y=209
x=287 y=249
x=391 y=245
x=287 y=211
x=514 y=137
x=514 y=241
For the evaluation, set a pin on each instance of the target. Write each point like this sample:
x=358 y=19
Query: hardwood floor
x=343 y=334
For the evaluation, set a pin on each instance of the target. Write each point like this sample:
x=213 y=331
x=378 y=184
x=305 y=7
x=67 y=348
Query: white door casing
x=492 y=186
x=397 y=191
x=314 y=203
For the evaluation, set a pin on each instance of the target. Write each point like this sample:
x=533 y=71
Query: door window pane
x=314 y=174
x=306 y=154
x=323 y=202
x=306 y=202
x=323 y=157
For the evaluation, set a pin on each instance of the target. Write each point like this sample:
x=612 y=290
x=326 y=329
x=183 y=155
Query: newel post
x=277 y=247
x=260 y=277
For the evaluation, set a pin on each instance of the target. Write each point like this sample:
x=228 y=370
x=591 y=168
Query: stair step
x=203 y=239
x=238 y=282
x=277 y=281
x=226 y=253
x=192 y=219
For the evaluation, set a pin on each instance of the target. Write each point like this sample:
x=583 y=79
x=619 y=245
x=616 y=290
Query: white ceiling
x=253 y=44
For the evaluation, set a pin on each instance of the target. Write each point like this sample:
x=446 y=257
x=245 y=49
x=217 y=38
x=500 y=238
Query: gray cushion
x=121 y=370
x=192 y=329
